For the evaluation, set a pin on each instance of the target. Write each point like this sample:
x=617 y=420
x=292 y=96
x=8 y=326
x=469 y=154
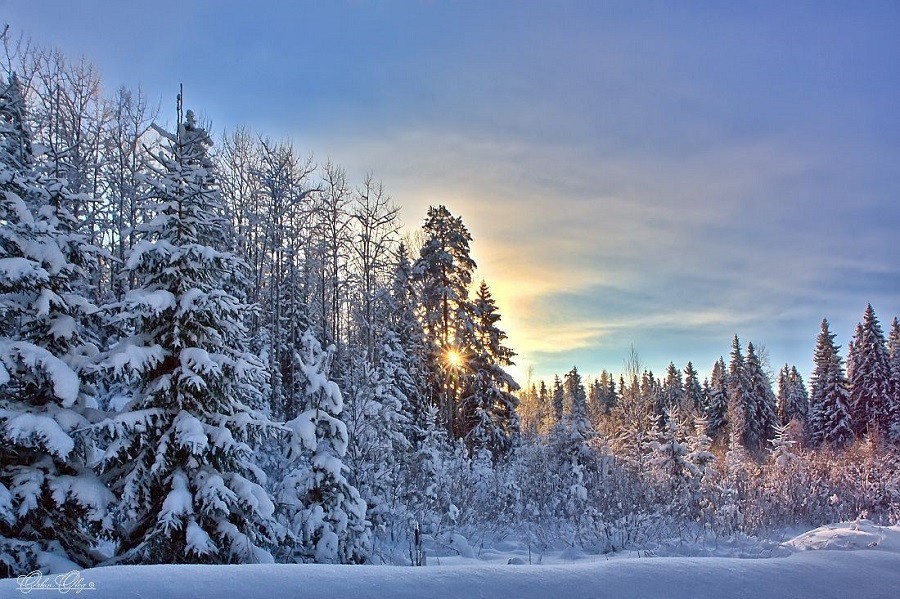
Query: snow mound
x=861 y=534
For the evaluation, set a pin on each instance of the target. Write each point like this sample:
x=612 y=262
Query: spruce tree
x=830 y=418
x=761 y=410
x=793 y=399
x=740 y=405
x=894 y=354
x=179 y=454
x=50 y=499
x=870 y=378
x=673 y=387
x=559 y=400
x=489 y=407
x=692 y=398
x=717 y=403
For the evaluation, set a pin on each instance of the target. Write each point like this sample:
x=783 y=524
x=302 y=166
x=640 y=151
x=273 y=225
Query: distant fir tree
x=610 y=393
x=179 y=454
x=673 y=387
x=740 y=401
x=894 y=354
x=595 y=400
x=545 y=409
x=717 y=403
x=692 y=397
x=559 y=400
x=830 y=420
x=651 y=393
x=761 y=411
x=569 y=442
x=488 y=404
x=870 y=378
x=793 y=398
x=50 y=499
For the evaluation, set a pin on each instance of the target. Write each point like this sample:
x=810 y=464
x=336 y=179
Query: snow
x=198 y=540
x=189 y=433
x=38 y=430
x=65 y=382
x=14 y=270
x=178 y=502
x=861 y=534
x=86 y=490
x=155 y=302
x=135 y=355
x=814 y=568
x=303 y=428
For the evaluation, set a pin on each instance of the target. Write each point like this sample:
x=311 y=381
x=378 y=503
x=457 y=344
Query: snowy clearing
x=856 y=559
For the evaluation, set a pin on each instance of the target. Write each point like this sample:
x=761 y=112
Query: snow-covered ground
x=856 y=559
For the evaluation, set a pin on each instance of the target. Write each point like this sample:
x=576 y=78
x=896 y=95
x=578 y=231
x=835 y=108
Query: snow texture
x=815 y=568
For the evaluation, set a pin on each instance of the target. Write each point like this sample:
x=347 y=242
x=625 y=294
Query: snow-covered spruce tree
x=870 y=378
x=488 y=405
x=403 y=347
x=373 y=414
x=692 y=397
x=761 y=411
x=558 y=400
x=673 y=388
x=179 y=452
x=717 y=404
x=324 y=512
x=669 y=450
x=793 y=398
x=829 y=412
x=894 y=355
x=50 y=500
x=569 y=443
x=740 y=401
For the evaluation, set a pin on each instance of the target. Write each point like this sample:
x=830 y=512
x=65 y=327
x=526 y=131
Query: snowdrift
x=856 y=559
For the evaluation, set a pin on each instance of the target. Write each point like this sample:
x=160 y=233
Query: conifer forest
x=217 y=348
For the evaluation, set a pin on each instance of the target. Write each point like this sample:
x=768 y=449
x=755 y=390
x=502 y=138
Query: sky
x=653 y=175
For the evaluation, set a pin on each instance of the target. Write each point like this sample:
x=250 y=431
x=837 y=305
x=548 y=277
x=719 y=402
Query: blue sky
x=658 y=174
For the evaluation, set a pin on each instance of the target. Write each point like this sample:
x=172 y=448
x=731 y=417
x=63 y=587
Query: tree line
x=736 y=406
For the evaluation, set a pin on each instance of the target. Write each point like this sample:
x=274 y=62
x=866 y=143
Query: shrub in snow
x=324 y=513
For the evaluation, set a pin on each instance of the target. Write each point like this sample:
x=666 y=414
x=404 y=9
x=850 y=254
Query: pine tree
x=569 y=441
x=829 y=413
x=608 y=386
x=179 y=455
x=49 y=496
x=443 y=273
x=870 y=378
